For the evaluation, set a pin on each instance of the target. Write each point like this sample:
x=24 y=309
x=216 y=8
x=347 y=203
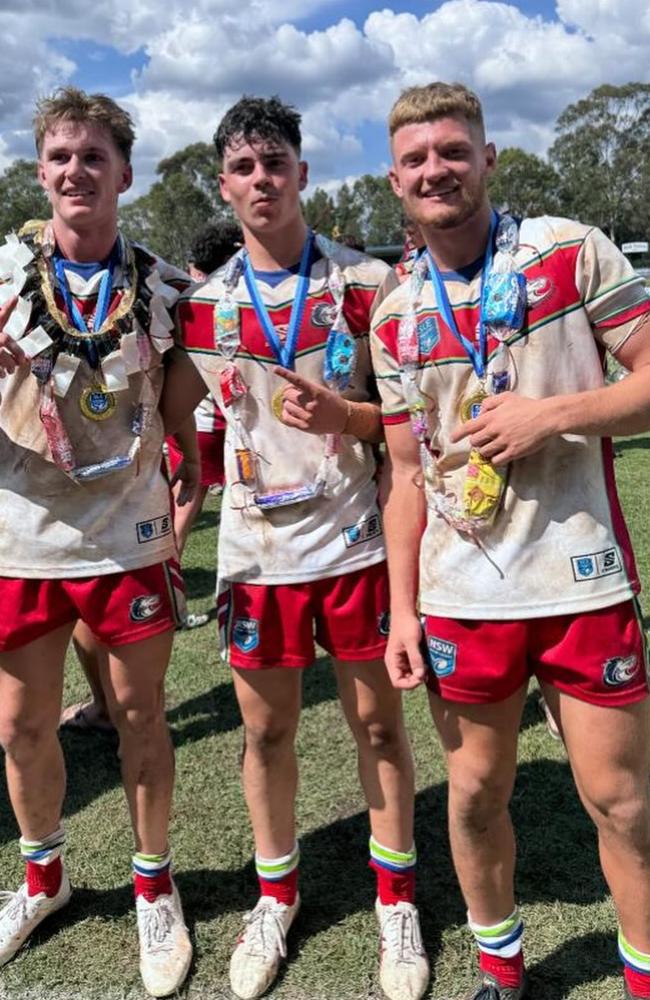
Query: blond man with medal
x=279 y=334
x=503 y=527
x=85 y=346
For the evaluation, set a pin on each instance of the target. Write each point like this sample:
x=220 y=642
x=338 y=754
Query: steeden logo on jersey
x=362 y=531
x=593 y=565
x=157 y=527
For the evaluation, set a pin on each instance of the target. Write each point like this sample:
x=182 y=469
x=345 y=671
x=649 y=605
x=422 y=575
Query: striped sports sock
x=500 y=948
x=395 y=872
x=152 y=875
x=43 y=866
x=278 y=877
x=636 y=968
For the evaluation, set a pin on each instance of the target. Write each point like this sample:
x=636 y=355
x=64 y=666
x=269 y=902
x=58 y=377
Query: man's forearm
x=404 y=522
x=363 y=421
x=183 y=389
x=611 y=411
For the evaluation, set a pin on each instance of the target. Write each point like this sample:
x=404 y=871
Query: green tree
x=197 y=162
x=602 y=155
x=378 y=209
x=347 y=215
x=21 y=196
x=319 y=212
x=525 y=184
x=168 y=217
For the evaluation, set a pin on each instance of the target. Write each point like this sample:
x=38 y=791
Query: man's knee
x=621 y=813
x=265 y=738
x=477 y=799
x=140 y=719
x=382 y=735
x=22 y=739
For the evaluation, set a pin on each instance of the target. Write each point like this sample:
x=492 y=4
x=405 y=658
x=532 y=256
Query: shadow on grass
x=632 y=444
x=581 y=960
x=199 y=582
x=336 y=882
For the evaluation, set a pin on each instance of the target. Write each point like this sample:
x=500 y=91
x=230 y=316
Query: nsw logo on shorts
x=246 y=634
x=442 y=656
x=383 y=623
x=619 y=670
x=145 y=607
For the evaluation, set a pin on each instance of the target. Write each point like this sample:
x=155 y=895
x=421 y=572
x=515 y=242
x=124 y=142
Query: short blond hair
x=436 y=100
x=69 y=104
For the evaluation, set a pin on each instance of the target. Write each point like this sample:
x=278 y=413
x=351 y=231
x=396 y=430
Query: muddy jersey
x=54 y=527
x=329 y=534
x=558 y=544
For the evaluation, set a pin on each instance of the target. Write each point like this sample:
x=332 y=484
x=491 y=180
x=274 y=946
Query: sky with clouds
x=178 y=65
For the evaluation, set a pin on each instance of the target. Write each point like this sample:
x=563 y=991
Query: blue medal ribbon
x=103 y=296
x=476 y=352
x=285 y=355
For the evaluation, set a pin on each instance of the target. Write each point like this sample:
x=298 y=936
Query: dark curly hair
x=258 y=119
x=212 y=246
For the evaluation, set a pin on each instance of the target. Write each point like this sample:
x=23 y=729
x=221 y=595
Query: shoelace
x=15 y=907
x=157 y=924
x=402 y=934
x=264 y=931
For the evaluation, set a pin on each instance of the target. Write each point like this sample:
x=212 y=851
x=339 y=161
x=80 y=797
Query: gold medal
x=96 y=402
x=277 y=402
x=471 y=406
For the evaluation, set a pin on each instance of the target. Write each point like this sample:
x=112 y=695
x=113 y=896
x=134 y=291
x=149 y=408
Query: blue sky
x=179 y=64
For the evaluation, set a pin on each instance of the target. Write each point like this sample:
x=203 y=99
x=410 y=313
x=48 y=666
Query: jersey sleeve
x=613 y=294
x=383 y=347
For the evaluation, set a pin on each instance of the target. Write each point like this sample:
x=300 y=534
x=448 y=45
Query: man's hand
x=404 y=662
x=508 y=427
x=11 y=355
x=310 y=406
x=188 y=474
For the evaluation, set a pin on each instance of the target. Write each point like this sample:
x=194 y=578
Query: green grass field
x=90 y=949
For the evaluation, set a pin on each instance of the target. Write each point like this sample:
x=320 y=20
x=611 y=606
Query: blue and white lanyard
x=476 y=352
x=285 y=354
x=103 y=296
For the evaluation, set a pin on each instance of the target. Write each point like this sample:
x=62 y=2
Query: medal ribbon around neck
x=103 y=296
x=285 y=355
x=477 y=353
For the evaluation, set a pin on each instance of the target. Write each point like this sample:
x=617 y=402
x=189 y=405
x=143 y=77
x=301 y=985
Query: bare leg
x=270 y=702
x=373 y=709
x=185 y=516
x=135 y=696
x=609 y=750
x=93 y=657
x=31 y=685
x=481 y=747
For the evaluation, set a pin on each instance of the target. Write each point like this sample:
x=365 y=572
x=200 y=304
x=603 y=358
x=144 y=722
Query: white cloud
x=201 y=56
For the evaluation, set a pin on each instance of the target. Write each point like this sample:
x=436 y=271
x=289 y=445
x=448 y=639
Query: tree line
x=597 y=170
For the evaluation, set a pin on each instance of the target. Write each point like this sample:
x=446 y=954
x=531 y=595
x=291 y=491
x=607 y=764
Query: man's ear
x=490 y=157
x=394 y=182
x=40 y=173
x=223 y=187
x=303 y=177
x=127 y=178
